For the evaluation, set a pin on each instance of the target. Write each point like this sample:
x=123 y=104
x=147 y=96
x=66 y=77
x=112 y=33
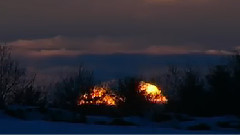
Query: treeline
x=187 y=90
x=216 y=93
x=16 y=86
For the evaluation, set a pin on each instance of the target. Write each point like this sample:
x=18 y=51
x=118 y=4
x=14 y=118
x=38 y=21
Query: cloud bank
x=120 y=26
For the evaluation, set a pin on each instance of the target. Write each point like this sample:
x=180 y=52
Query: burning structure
x=100 y=96
x=104 y=96
x=151 y=93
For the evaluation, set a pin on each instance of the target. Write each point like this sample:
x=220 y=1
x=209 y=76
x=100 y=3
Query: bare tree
x=68 y=90
x=12 y=77
x=173 y=79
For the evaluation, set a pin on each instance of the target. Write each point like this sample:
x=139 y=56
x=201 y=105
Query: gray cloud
x=51 y=37
x=62 y=46
x=200 y=24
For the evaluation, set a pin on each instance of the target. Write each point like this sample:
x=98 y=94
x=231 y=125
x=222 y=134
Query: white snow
x=12 y=125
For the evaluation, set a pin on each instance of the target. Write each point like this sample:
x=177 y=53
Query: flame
x=152 y=93
x=100 y=96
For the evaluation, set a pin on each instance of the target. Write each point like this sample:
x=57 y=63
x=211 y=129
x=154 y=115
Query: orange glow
x=152 y=93
x=100 y=96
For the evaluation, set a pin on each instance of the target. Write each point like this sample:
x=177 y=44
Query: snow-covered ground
x=10 y=124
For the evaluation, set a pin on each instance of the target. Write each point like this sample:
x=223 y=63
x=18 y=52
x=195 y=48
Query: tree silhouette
x=13 y=78
x=191 y=91
x=68 y=90
x=219 y=81
x=29 y=95
x=135 y=103
x=236 y=81
x=173 y=80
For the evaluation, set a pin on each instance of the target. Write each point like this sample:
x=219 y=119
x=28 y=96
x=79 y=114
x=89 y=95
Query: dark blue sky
x=108 y=67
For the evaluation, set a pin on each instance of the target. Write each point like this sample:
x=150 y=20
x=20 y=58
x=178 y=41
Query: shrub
x=228 y=124
x=101 y=123
x=18 y=113
x=101 y=110
x=121 y=122
x=65 y=116
x=200 y=126
x=223 y=124
x=43 y=109
x=161 y=117
x=183 y=118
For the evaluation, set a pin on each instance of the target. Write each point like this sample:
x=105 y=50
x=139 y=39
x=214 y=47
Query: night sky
x=117 y=38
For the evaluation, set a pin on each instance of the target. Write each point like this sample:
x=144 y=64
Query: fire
x=152 y=93
x=100 y=96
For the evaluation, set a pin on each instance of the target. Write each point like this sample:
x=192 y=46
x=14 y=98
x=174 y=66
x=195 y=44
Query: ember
x=152 y=93
x=100 y=96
